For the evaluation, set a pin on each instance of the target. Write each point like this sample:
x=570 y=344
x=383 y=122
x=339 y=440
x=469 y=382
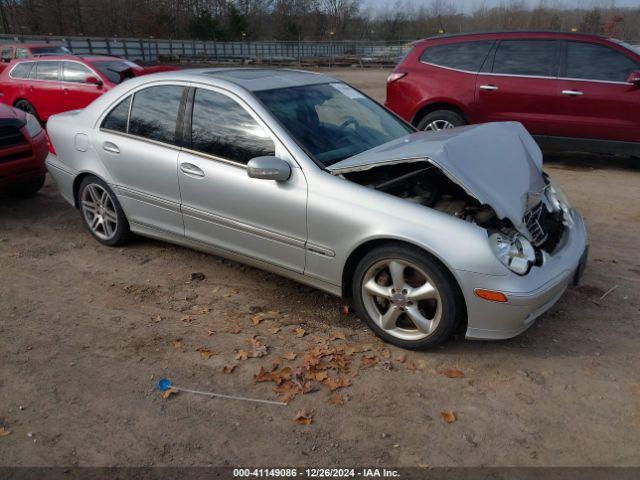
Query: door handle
x=573 y=93
x=488 y=87
x=191 y=169
x=110 y=147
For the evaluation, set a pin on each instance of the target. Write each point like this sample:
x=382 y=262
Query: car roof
x=516 y=34
x=252 y=79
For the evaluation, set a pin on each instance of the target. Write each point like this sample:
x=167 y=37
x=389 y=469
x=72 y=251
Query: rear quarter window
x=22 y=70
x=468 y=56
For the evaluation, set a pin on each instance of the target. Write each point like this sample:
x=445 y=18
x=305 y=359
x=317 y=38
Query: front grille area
x=10 y=136
x=534 y=219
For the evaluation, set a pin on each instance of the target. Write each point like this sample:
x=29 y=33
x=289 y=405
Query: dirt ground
x=86 y=331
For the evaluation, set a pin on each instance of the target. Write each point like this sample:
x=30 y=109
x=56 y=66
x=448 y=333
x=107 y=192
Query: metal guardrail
x=151 y=50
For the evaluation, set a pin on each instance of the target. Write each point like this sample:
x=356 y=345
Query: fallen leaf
x=4 y=432
x=234 y=330
x=167 y=393
x=178 y=344
x=263 y=376
x=448 y=416
x=453 y=373
x=336 y=383
x=187 y=318
x=336 y=399
x=200 y=309
x=299 y=332
x=320 y=376
x=369 y=360
x=229 y=368
x=386 y=353
x=338 y=336
x=242 y=355
x=211 y=333
x=289 y=355
x=274 y=330
x=205 y=353
x=257 y=318
x=157 y=318
x=401 y=357
x=304 y=417
x=232 y=291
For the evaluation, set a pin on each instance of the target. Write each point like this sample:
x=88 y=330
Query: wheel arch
x=76 y=185
x=361 y=250
x=426 y=109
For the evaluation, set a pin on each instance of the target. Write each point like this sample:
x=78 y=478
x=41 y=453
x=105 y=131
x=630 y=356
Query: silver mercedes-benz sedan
x=425 y=233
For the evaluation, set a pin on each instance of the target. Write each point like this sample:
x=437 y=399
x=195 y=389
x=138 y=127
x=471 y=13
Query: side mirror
x=94 y=81
x=269 y=168
x=634 y=77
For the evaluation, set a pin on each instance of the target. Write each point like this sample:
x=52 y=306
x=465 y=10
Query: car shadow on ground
x=590 y=161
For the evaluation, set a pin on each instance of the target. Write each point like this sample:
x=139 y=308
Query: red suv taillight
x=49 y=144
x=395 y=76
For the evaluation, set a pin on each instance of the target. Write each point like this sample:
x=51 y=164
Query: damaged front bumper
x=528 y=296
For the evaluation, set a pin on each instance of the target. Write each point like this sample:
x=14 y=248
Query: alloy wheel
x=99 y=211
x=438 y=125
x=401 y=299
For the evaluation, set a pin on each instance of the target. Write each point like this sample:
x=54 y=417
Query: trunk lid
x=499 y=164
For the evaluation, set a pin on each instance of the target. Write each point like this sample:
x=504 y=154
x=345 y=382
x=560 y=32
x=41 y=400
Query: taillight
x=395 y=76
x=49 y=144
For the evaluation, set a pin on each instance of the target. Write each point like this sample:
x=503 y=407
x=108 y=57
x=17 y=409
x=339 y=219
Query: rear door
x=519 y=82
x=593 y=99
x=76 y=92
x=139 y=144
x=44 y=91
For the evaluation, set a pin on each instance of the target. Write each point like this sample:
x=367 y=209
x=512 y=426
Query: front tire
x=101 y=212
x=441 y=120
x=406 y=297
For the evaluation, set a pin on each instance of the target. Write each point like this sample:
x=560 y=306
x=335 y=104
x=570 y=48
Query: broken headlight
x=515 y=251
x=559 y=202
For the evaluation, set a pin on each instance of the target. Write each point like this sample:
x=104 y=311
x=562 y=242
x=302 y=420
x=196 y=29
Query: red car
x=26 y=50
x=23 y=149
x=48 y=85
x=571 y=91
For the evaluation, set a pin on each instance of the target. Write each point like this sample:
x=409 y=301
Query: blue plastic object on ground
x=164 y=384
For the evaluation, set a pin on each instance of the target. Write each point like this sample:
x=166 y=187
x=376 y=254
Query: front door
x=140 y=152
x=76 y=92
x=593 y=98
x=518 y=82
x=221 y=205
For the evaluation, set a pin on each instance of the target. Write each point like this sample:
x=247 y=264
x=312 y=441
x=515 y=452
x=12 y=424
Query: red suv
x=48 y=85
x=571 y=91
x=23 y=149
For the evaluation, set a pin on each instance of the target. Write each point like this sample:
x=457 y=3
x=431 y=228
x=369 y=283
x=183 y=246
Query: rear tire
x=27 y=107
x=407 y=297
x=101 y=212
x=441 y=120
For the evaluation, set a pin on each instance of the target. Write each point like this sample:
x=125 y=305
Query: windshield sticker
x=347 y=90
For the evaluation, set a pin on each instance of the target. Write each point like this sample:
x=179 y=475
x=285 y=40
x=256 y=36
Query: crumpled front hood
x=497 y=163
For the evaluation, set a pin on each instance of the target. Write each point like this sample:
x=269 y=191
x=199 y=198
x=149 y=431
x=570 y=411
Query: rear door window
x=47 y=70
x=589 y=61
x=527 y=57
x=22 y=70
x=117 y=118
x=467 y=56
x=154 y=113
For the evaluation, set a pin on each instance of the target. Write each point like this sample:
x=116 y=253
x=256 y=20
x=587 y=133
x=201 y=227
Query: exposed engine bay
x=425 y=184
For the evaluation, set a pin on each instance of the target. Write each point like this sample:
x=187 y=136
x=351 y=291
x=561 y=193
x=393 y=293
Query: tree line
x=301 y=19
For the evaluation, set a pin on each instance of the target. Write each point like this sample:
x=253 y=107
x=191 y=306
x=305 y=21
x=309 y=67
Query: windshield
x=50 y=50
x=116 y=70
x=332 y=121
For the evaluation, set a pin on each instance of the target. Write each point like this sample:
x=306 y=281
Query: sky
x=468 y=6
